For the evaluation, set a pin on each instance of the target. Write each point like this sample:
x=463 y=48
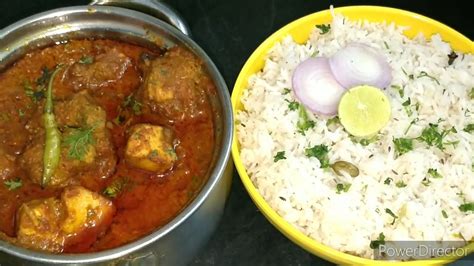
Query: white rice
x=305 y=195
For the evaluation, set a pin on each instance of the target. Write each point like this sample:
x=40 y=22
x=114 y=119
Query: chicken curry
x=101 y=142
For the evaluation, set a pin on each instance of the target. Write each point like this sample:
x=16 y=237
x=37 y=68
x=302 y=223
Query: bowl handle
x=155 y=8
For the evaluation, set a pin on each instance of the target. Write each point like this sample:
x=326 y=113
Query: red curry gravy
x=144 y=200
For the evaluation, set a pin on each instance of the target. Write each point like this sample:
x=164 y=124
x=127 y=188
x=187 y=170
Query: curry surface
x=146 y=200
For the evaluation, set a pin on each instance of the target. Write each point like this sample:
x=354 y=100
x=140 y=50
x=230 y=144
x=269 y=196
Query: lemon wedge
x=364 y=110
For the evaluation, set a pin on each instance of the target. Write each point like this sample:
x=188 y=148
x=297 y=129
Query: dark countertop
x=229 y=31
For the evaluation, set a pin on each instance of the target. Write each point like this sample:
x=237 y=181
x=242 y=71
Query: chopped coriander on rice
x=342 y=187
x=279 y=156
x=321 y=153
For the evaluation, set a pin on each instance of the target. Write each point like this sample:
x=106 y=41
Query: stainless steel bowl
x=177 y=242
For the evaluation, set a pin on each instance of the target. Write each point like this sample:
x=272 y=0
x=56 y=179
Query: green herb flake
x=79 y=142
x=45 y=76
x=293 y=105
x=286 y=91
x=342 y=187
x=388 y=180
x=304 y=123
x=321 y=153
x=21 y=113
x=34 y=95
x=445 y=215
x=332 y=120
x=366 y=142
x=471 y=94
x=434 y=173
x=411 y=124
x=395 y=217
x=13 y=184
x=131 y=102
x=323 y=28
x=469 y=128
x=279 y=156
x=431 y=136
x=400 y=184
x=117 y=187
x=86 y=60
x=466 y=207
x=424 y=74
x=403 y=145
x=407 y=107
x=153 y=154
x=401 y=90
x=375 y=244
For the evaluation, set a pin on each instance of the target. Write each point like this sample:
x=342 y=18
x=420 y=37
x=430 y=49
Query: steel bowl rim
x=215 y=176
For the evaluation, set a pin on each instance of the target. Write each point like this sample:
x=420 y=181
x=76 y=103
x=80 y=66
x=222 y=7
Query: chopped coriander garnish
x=434 y=173
x=131 y=102
x=424 y=74
x=332 y=120
x=13 y=184
x=293 y=105
x=400 y=90
x=286 y=91
x=86 y=60
x=321 y=153
x=403 y=145
x=395 y=217
x=445 y=215
x=323 y=28
x=411 y=124
x=21 y=113
x=279 y=156
x=400 y=184
x=433 y=137
x=304 y=123
x=388 y=180
x=35 y=94
x=342 y=187
x=406 y=106
x=117 y=187
x=374 y=244
x=79 y=142
x=469 y=128
x=466 y=207
x=366 y=142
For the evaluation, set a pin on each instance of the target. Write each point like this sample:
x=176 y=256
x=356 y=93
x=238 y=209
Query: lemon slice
x=364 y=110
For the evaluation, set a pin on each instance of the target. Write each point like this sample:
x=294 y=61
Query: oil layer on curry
x=101 y=142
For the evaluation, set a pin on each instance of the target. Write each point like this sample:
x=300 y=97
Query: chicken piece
x=174 y=85
x=83 y=122
x=88 y=215
x=104 y=69
x=70 y=224
x=151 y=148
x=38 y=225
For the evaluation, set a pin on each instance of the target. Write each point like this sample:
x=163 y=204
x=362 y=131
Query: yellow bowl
x=300 y=30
